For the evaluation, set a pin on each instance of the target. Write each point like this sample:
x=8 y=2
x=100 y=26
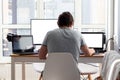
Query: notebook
x=23 y=44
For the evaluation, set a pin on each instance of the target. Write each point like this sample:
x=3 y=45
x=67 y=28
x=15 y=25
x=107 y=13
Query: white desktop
x=39 y=28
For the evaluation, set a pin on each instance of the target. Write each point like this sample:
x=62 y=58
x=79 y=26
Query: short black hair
x=65 y=19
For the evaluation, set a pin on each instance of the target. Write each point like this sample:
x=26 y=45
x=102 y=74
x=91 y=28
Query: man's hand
x=92 y=51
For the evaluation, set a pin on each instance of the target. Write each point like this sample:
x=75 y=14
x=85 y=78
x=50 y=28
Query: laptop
x=95 y=40
x=23 y=44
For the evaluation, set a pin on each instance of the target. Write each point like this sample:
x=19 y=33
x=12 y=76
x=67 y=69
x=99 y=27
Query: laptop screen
x=22 y=43
x=94 y=39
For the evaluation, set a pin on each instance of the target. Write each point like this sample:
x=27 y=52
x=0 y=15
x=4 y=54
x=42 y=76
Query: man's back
x=64 y=40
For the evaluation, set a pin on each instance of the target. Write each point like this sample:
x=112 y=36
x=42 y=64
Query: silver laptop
x=23 y=44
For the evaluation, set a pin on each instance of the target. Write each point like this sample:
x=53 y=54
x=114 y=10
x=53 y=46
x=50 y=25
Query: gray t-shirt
x=64 y=40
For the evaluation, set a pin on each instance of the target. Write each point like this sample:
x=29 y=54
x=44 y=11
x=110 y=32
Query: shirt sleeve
x=82 y=41
x=45 y=40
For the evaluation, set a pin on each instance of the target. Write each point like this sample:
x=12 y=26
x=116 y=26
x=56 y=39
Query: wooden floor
x=31 y=74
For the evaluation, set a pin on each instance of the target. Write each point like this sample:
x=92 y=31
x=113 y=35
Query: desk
x=34 y=58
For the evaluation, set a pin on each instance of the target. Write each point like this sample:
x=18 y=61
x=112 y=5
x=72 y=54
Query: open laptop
x=23 y=44
x=95 y=40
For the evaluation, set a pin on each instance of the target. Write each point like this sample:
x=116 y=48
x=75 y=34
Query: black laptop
x=23 y=44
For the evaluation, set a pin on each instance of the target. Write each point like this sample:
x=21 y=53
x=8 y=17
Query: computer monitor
x=94 y=40
x=39 y=28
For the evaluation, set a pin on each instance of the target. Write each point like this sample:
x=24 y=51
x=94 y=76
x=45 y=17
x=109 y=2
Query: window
x=92 y=15
x=93 y=12
x=18 y=11
x=21 y=11
x=52 y=8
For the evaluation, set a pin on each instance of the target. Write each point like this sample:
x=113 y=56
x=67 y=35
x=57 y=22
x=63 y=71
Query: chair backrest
x=108 y=59
x=114 y=70
x=61 y=66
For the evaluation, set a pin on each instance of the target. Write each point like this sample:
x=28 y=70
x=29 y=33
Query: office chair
x=108 y=59
x=85 y=69
x=61 y=66
x=114 y=70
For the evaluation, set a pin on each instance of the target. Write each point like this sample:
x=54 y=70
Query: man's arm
x=87 y=51
x=42 y=52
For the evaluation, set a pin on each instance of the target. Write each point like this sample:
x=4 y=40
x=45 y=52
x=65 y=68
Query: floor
x=5 y=72
x=31 y=74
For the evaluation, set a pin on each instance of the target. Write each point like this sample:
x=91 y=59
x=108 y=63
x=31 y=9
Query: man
x=64 y=39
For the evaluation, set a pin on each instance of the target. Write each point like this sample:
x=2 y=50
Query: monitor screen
x=94 y=39
x=39 y=28
x=22 y=43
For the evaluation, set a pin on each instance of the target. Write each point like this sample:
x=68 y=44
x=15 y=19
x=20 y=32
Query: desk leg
x=12 y=69
x=23 y=71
